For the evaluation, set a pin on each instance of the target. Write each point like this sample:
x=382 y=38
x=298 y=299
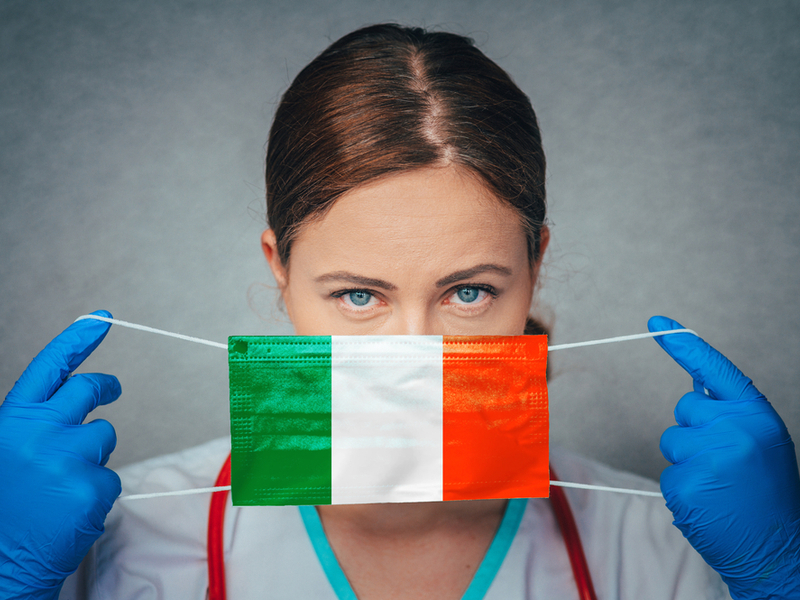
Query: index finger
x=705 y=364
x=53 y=365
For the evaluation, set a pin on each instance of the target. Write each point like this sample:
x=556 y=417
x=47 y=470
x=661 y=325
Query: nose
x=416 y=321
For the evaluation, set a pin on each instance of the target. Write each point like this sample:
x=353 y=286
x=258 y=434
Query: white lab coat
x=156 y=548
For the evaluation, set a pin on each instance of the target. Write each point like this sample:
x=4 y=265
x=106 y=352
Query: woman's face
x=422 y=252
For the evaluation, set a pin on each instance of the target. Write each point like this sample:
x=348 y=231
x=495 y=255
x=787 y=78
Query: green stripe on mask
x=280 y=402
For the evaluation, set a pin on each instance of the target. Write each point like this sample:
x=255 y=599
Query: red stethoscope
x=558 y=500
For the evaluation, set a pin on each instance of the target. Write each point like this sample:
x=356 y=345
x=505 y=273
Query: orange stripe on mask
x=496 y=417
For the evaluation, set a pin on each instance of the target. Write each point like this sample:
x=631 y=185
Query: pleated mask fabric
x=367 y=419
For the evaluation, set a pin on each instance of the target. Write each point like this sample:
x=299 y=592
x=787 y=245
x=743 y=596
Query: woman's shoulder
x=155 y=544
x=156 y=547
x=614 y=523
x=174 y=523
x=191 y=468
x=631 y=546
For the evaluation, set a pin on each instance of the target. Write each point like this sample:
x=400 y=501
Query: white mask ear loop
x=620 y=338
x=582 y=486
x=180 y=336
x=188 y=338
x=566 y=484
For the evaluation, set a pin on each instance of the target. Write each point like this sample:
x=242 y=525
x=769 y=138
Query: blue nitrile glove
x=55 y=492
x=733 y=487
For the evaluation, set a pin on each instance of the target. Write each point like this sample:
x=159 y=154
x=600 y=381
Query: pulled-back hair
x=386 y=99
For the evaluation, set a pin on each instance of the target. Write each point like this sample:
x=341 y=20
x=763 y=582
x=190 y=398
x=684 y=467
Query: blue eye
x=468 y=294
x=360 y=298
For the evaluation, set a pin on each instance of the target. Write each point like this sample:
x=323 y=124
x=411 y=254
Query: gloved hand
x=55 y=492
x=733 y=487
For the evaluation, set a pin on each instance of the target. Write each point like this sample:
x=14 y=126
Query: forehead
x=425 y=219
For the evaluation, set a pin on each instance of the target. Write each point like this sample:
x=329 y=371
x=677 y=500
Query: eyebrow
x=472 y=272
x=346 y=276
x=356 y=280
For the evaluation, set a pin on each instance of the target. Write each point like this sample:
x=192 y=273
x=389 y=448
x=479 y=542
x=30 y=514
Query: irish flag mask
x=362 y=419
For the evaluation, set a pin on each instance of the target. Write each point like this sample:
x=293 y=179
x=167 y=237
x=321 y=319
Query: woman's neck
x=413 y=518
x=423 y=551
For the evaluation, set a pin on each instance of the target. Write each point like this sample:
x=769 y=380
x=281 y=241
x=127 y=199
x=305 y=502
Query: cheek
x=298 y=311
x=295 y=302
x=517 y=319
x=308 y=312
x=518 y=308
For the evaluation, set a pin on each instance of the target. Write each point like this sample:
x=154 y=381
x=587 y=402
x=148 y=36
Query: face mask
x=366 y=419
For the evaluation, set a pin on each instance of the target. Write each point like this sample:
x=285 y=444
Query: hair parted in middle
x=386 y=99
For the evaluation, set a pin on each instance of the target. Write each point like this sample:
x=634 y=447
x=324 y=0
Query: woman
x=405 y=190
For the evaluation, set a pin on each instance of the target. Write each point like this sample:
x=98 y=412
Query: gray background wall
x=131 y=151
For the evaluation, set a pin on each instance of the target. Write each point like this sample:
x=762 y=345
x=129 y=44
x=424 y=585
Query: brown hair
x=386 y=99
